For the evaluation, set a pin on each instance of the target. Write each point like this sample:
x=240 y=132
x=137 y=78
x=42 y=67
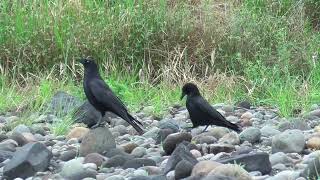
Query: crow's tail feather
x=134 y=123
x=232 y=126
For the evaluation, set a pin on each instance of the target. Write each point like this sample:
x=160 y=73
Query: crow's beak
x=182 y=95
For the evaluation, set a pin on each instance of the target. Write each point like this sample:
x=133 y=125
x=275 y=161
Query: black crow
x=101 y=96
x=201 y=112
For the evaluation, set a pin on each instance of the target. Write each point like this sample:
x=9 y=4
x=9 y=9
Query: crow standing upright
x=201 y=112
x=101 y=96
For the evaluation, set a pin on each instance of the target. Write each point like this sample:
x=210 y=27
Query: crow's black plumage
x=201 y=112
x=101 y=96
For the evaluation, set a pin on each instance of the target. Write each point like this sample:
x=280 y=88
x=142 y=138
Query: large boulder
x=27 y=160
x=88 y=115
x=97 y=140
x=290 y=141
x=63 y=103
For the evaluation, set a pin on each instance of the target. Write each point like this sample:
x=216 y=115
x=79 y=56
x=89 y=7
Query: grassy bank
x=264 y=51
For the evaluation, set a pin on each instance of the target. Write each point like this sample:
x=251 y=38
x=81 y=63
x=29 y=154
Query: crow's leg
x=205 y=128
x=99 y=123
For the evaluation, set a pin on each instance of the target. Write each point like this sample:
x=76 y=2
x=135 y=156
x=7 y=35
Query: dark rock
x=242 y=150
x=163 y=134
x=183 y=169
x=172 y=140
x=38 y=129
x=68 y=155
x=95 y=158
x=49 y=143
x=116 y=161
x=182 y=152
x=62 y=104
x=97 y=140
x=19 y=138
x=3 y=137
x=252 y=162
x=139 y=162
x=4 y=155
x=27 y=160
x=88 y=115
x=116 y=151
x=244 y=104
x=217 y=148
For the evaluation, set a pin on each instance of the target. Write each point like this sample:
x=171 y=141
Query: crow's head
x=88 y=62
x=189 y=89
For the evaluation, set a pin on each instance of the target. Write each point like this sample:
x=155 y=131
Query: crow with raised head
x=201 y=112
x=101 y=96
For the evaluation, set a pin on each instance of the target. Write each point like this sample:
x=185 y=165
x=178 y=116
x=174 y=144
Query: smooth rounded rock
x=231 y=170
x=290 y=141
x=230 y=138
x=77 y=132
x=204 y=167
x=250 y=134
x=97 y=140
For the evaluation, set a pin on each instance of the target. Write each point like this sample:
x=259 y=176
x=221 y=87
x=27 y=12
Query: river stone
x=182 y=152
x=183 y=169
x=97 y=140
x=257 y=161
x=289 y=141
x=75 y=170
x=251 y=135
x=172 y=140
x=27 y=160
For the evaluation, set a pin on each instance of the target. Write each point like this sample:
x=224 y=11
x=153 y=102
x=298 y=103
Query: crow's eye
x=87 y=61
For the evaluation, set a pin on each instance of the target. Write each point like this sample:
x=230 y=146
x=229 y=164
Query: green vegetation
x=262 y=50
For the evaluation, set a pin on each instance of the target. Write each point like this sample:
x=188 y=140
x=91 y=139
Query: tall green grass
x=264 y=51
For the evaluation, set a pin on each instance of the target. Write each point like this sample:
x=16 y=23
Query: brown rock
x=129 y=147
x=204 y=167
x=314 y=142
x=98 y=140
x=77 y=132
x=231 y=170
x=95 y=158
x=172 y=140
x=230 y=138
x=29 y=137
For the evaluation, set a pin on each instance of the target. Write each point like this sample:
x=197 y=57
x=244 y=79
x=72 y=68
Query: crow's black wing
x=110 y=101
x=104 y=95
x=212 y=115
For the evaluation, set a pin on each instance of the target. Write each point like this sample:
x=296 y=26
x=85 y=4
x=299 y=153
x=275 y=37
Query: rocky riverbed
x=268 y=148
